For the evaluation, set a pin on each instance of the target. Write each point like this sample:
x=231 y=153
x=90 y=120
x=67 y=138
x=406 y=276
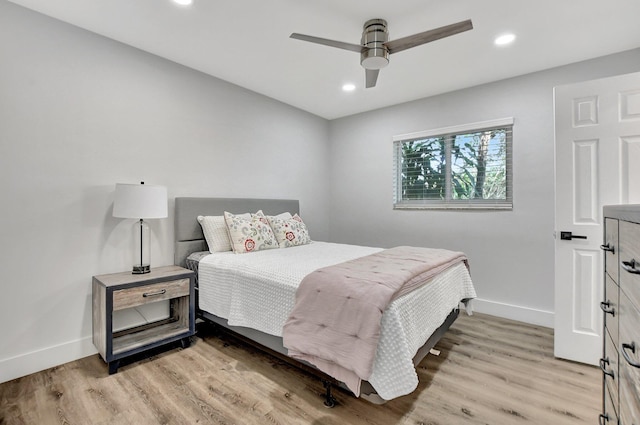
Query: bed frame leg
x=329 y=401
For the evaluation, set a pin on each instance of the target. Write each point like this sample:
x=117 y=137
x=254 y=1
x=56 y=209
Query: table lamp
x=140 y=201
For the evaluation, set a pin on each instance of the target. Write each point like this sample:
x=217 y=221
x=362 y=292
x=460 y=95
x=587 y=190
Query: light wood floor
x=490 y=371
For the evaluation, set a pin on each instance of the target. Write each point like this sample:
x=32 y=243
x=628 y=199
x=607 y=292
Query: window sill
x=456 y=207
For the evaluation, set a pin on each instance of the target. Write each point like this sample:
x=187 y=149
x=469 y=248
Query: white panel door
x=597 y=125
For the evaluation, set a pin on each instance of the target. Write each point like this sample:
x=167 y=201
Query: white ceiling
x=246 y=42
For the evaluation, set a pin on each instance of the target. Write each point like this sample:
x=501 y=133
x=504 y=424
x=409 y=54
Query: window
x=464 y=167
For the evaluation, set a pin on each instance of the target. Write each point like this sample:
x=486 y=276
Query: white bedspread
x=257 y=290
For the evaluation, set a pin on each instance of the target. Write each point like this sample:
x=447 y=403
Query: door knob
x=567 y=236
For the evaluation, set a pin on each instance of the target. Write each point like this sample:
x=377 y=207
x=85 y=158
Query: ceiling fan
x=375 y=46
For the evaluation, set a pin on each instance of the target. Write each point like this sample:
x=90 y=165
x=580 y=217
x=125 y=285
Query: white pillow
x=281 y=216
x=249 y=234
x=215 y=232
x=290 y=232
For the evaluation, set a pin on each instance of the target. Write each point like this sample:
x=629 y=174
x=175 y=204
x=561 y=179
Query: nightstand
x=118 y=291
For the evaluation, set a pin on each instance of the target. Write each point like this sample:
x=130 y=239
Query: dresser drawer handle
x=630 y=266
x=608 y=248
x=626 y=356
x=603 y=416
x=603 y=368
x=606 y=307
x=154 y=294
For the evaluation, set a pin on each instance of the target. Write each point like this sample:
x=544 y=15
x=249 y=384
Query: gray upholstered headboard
x=188 y=233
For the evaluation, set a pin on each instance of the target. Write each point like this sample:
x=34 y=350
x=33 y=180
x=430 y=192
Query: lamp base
x=141 y=269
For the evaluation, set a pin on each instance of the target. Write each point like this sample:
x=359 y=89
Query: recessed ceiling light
x=504 y=39
x=183 y=2
x=349 y=87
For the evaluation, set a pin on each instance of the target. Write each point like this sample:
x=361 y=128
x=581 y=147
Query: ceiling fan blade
x=371 y=76
x=339 y=44
x=414 y=40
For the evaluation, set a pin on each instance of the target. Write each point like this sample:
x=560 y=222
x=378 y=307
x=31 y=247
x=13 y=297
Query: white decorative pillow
x=290 y=232
x=282 y=216
x=250 y=234
x=215 y=232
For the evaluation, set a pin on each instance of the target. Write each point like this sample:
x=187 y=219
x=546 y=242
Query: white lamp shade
x=140 y=201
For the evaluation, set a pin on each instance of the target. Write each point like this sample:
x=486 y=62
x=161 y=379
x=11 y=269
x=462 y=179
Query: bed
x=232 y=289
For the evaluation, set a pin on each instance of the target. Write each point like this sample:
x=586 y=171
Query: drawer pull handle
x=606 y=307
x=603 y=368
x=154 y=294
x=603 y=416
x=608 y=248
x=630 y=266
x=626 y=356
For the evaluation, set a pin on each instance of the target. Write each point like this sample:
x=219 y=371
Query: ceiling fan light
x=374 y=58
x=374 y=62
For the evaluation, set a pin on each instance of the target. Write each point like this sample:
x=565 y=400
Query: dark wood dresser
x=620 y=362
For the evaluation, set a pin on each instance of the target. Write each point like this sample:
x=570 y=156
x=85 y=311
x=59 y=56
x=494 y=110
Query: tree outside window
x=465 y=169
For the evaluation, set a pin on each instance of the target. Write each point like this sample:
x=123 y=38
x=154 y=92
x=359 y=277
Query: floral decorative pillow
x=290 y=232
x=250 y=234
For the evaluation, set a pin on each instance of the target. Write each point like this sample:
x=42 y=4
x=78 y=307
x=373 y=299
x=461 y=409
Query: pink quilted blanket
x=335 y=323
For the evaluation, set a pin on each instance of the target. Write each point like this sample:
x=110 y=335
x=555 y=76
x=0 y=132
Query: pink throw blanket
x=335 y=323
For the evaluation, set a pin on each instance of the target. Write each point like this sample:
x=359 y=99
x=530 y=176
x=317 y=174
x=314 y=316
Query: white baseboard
x=35 y=361
x=514 y=312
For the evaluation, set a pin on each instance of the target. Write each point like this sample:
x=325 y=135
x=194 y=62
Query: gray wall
x=78 y=113
x=511 y=253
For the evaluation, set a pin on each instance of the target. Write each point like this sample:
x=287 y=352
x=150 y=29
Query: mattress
x=257 y=290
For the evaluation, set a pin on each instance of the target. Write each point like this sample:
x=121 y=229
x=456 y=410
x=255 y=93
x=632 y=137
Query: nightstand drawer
x=131 y=297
